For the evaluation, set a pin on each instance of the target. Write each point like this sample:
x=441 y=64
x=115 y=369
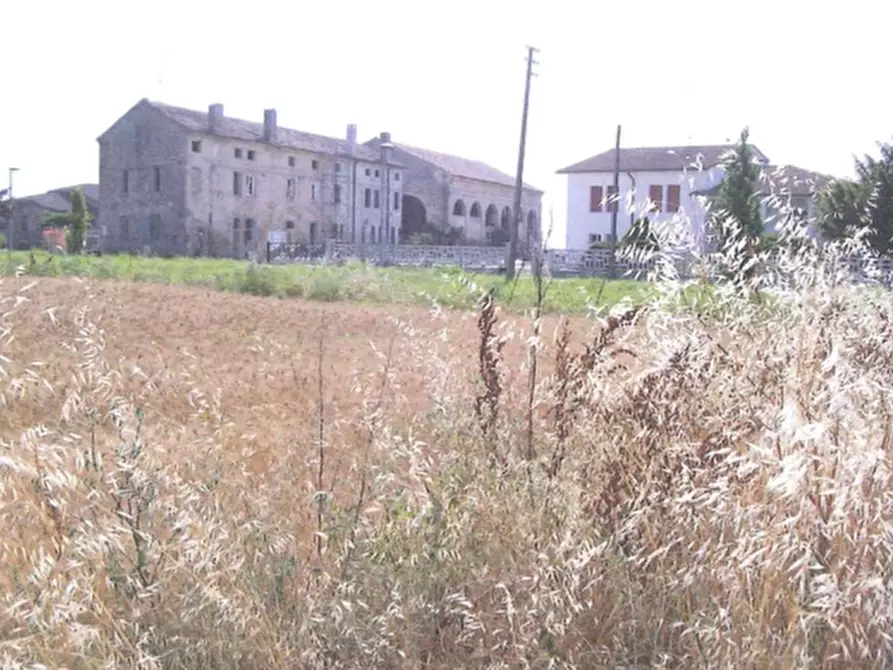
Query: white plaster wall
x=634 y=190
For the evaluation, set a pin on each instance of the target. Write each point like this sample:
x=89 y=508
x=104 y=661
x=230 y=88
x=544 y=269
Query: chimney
x=270 y=125
x=215 y=117
x=352 y=138
x=386 y=147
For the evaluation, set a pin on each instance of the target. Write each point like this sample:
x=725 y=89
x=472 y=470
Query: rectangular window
x=249 y=230
x=595 y=198
x=249 y=184
x=291 y=161
x=125 y=182
x=314 y=164
x=289 y=225
x=673 y=198
x=313 y=233
x=237 y=152
x=336 y=194
x=313 y=191
x=124 y=228
x=251 y=154
x=396 y=201
x=377 y=199
x=396 y=176
x=290 y=189
x=155 y=227
x=196 y=146
x=612 y=199
x=337 y=167
x=368 y=172
x=656 y=196
x=376 y=173
x=367 y=198
x=157 y=174
x=237 y=183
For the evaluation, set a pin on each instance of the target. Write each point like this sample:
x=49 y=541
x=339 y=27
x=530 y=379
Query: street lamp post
x=10 y=226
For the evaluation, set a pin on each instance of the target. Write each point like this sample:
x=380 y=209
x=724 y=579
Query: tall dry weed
x=677 y=487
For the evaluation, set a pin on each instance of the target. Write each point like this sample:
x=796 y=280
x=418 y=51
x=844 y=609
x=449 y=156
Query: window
x=155 y=227
x=656 y=196
x=367 y=198
x=612 y=199
x=313 y=191
x=337 y=167
x=313 y=232
x=594 y=237
x=236 y=224
x=291 y=161
x=290 y=189
x=396 y=201
x=237 y=152
x=249 y=184
x=475 y=211
x=673 y=198
x=314 y=164
x=124 y=228
x=237 y=183
x=289 y=225
x=196 y=146
x=595 y=198
x=376 y=173
x=249 y=230
x=251 y=154
x=459 y=208
x=396 y=176
x=377 y=199
x=336 y=194
x=368 y=172
x=125 y=182
x=157 y=174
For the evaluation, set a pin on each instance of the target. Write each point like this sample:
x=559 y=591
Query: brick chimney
x=215 y=117
x=352 y=138
x=386 y=147
x=270 y=128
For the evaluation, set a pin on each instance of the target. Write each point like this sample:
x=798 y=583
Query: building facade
x=471 y=201
x=177 y=181
x=671 y=184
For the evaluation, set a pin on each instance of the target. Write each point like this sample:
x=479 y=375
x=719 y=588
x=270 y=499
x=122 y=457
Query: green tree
x=737 y=201
x=76 y=221
x=640 y=236
x=847 y=206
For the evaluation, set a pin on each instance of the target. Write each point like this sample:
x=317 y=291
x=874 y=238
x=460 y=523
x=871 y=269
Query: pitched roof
x=658 y=159
x=52 y=201
x=251 y=131
x=458 y=166
x=783 y=180
x=90 y=191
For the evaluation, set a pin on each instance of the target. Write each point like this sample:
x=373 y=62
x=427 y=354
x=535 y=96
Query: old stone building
x=446 y=192
x=177 y=181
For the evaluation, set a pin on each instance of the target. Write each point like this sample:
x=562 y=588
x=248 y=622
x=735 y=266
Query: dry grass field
x=196 y=479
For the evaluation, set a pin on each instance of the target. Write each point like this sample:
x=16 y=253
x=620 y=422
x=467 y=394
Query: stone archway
x=413 y=219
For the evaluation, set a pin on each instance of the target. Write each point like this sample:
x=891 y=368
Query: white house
x=667 y=183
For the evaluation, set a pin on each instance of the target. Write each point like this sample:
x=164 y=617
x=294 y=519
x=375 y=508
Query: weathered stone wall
x=142 y=141
x=425 y=182
x=484 y=194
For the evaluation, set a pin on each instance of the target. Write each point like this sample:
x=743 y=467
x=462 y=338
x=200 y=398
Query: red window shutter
x=595 y=198
x=673 y=198
x=656 y=195
x=612 y=200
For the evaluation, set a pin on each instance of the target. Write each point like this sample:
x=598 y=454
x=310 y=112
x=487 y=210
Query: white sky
x=811 y=79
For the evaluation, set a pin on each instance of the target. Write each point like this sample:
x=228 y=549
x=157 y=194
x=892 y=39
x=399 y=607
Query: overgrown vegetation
x=75 y=221
x=199 y=480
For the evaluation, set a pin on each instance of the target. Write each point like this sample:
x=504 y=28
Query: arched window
x=459 y=208
x=475 y=211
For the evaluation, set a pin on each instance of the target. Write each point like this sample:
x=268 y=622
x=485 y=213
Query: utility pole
x=519 y=178
x=615 y=206
x=9 y=225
